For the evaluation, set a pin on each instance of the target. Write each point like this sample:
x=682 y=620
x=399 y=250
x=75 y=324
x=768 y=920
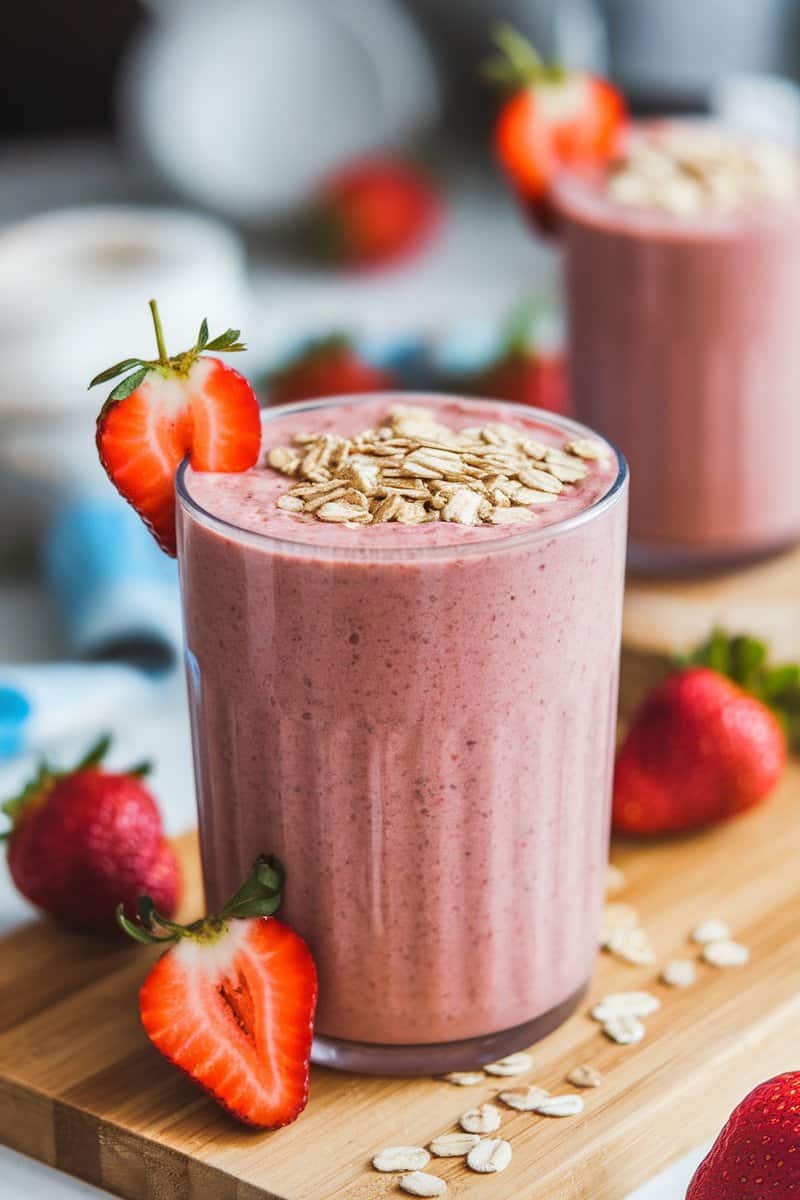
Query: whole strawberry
x=525 y=372
x=328 y=366
x=699 y=750
x=757 y=1154
x=86 y=840
x=553 y=119
x=373 y=212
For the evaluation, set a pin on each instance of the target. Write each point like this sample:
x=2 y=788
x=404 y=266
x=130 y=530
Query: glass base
x=369 y=1058
x=652 y=558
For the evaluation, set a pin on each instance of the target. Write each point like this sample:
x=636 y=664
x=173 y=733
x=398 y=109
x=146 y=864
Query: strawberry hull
x=419 y=721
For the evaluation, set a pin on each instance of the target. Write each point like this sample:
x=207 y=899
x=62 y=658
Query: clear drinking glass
x=425 y=737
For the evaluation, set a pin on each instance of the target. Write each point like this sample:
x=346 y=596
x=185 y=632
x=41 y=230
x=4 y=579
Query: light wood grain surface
x=81 y=1088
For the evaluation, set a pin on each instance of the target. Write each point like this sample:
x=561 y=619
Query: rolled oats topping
x=412 y=470
x=688 y=170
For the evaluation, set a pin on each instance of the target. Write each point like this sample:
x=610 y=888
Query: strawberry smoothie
x=419 y=720
x=683 y=288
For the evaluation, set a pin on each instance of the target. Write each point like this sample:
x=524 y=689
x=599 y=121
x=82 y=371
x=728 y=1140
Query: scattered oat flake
x=624 y=1030
x=625 y=1004
x=561 y=1106
x=464 y=1078
x=633 y=946
x=453 y=1145
x=524 y=1099
x=485 y=1119
x=401 y=1158
x=419 y=1183
x=512 y=1064
x=726 y=953
x=679 y=973
x=615 y=880
x=585 y=1077
x=616 y=917
x=711 y=930
x=489 y=1156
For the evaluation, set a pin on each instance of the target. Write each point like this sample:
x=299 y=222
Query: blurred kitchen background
x=173 y=149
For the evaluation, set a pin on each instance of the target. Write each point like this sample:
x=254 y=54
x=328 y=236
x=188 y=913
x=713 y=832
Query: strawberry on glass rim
x=166 y=408
x=232 y=1002
x=554 y=118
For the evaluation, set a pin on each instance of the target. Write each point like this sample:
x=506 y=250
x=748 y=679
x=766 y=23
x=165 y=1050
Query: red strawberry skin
x=524 y=377
x=374 y=212
x=575 y=123
x=329 y=368
x=757 y=1154
x=92 y=840
x=210 y=413
x=236 y=1015
x=699 y=750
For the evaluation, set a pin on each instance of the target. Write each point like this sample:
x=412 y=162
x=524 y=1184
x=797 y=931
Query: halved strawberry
x=168 y=408
x=554 y=118
x=232 y=1003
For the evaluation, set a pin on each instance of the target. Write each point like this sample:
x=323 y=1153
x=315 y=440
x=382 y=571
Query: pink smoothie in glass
x=419 y=721
x=685 y=351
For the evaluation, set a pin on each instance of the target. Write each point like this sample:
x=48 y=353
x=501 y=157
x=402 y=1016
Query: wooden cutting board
x=82 y=1089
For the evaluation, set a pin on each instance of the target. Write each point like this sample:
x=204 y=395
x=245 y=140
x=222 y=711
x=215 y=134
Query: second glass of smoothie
x=683 y=288
x=417 y=718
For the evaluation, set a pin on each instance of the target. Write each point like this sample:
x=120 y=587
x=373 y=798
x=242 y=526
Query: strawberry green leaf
x=117 y=369
x=129 y=385
x=229 y=340
x=744 y=659
x=95 y=755
x=518 y=64
x=202 y=337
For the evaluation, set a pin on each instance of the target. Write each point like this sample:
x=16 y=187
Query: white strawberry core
x=563 y=99
x=213 y=958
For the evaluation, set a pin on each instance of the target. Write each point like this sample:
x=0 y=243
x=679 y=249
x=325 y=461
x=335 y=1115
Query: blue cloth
x=116 y=591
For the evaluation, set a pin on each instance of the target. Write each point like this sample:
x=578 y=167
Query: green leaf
x=117 y=369
x=96 y=754
x=134 y=931
x=781 y=681
x=140 y=769
x=226 y=341
x=744 y=659
x=202 y=337
x=124 y=389
x=264 y=907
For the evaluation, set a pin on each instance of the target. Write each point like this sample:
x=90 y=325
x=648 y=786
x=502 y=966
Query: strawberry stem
x=518 y=64
x=163 y=357
x=259 y=896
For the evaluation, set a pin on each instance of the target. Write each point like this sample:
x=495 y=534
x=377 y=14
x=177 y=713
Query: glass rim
x=362 y=553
